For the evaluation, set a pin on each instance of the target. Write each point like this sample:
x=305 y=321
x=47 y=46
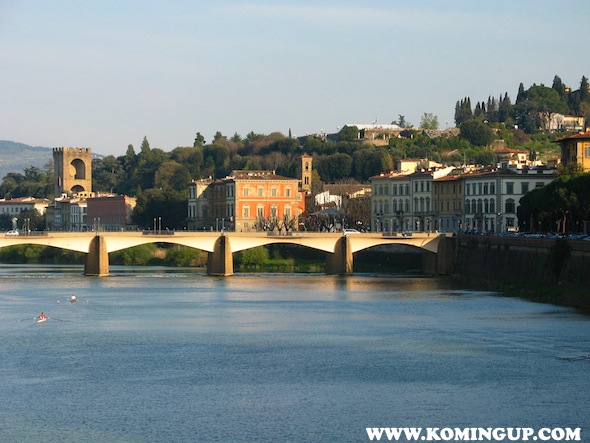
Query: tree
x=167 y=206
x=504 y=109
x=429 y=121
x=476 y=132
x=171 y=175
x=401 y=122
x=107 y=173
x=584 y=91
x=463 y=111
x=254 y=257
x=348 y=133
x=199 y=140
x=559 y=87
x=334 y=167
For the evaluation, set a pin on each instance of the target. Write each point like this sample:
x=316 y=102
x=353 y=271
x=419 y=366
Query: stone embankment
x=552 y=270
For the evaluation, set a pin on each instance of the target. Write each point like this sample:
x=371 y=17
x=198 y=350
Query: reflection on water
x=151 y=355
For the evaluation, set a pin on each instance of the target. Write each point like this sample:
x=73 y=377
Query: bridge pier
x=220 y=261
x=340 y=262
x=97 y=259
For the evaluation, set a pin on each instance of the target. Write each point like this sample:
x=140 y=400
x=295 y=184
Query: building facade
x=14 y=206
x=492 y=198
x=448 y=197
x=453 y=200
x=245 y=201
x=72 y=171
x=109 y=213
x=575 y=149
x=403 y=201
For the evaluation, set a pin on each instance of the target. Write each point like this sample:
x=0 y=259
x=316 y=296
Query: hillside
x=15 y=157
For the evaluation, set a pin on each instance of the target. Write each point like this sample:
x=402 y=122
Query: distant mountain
x=15 y=157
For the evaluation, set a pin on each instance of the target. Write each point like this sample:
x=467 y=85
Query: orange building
x=246 y=201
x=249 y=201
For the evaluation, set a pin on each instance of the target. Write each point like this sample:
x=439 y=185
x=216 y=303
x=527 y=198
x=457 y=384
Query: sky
x=106 y=74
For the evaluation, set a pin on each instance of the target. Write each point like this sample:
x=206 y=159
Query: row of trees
x=533 y=106
x=561 y=206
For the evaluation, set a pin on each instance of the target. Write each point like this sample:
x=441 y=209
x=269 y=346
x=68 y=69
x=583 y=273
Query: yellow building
x=576 y=149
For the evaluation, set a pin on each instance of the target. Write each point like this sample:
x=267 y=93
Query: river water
x=150 y=355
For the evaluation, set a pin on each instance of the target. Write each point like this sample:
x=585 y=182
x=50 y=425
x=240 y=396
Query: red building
x=109 y=213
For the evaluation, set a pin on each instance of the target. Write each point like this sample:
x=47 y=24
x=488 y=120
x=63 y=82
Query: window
x=288 y=191
x=510 y=207
x=288 y=211
x=246 y=191
x=492 y=188
x=260 y=191
x=485 y=188
x=524 y=187
x=273 y=192
x=479 y=188
x=587 y=151
x=260 y=211
x=509 y=188
x=246 y=211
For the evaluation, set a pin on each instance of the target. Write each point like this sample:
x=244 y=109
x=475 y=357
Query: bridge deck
x=115 y=241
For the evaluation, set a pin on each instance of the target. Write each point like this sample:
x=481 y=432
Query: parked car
x=12 y=233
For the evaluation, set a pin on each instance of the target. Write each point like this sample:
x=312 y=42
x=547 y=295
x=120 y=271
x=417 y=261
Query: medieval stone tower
x=72 y=171
x=306 y=172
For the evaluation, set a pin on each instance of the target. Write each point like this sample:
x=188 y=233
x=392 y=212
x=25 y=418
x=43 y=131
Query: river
x=160 y=355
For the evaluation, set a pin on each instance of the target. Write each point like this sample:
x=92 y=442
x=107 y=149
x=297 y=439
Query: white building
x=493 y=197
x=15 y=206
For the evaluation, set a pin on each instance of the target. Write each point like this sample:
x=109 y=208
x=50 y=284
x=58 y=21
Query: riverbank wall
x=554 y=270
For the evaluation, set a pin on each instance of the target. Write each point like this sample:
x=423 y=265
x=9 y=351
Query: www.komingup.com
x=474 y=434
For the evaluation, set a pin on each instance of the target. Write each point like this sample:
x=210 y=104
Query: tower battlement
x=73 y=150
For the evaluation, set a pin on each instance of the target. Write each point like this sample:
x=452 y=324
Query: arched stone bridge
x=220 y=246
